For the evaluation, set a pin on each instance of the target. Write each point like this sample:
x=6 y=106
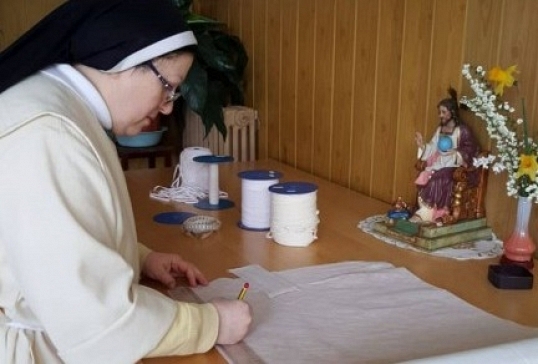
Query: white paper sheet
x=355 y=312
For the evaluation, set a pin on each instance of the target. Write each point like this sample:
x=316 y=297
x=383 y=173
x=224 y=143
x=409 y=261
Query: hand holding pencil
x=234 y=320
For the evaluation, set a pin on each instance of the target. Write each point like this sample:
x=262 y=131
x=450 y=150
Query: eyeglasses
x=173 y=95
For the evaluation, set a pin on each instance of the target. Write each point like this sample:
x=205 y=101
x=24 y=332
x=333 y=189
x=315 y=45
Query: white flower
x=498 y=122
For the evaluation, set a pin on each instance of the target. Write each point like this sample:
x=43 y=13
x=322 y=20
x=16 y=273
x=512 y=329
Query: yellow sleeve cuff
x=194 y=330
x=143 y=252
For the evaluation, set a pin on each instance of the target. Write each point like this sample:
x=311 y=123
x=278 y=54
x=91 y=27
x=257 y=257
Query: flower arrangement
x=516 y=151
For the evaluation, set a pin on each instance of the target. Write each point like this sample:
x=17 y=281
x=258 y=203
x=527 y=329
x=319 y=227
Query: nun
x=70 y=262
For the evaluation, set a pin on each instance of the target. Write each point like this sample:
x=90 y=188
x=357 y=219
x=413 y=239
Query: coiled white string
x=256 y=203
x=294 y=219
x=190 y=180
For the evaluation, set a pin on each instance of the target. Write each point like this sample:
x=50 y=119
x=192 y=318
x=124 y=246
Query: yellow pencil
x=243 y=291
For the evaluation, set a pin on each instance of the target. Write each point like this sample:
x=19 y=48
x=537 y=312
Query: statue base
x=432 y=237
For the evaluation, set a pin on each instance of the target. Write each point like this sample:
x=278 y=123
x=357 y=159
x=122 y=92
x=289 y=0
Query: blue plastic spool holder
x=213 y=202
x=293 y=188
x=257 y=175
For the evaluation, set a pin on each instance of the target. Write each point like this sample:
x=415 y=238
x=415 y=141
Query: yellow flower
x=502 y=78
x=527 y=166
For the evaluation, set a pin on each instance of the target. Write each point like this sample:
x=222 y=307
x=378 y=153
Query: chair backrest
x=240 y=142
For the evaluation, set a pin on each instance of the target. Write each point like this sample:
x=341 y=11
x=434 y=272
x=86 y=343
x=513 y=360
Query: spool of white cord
x=256 y=198
x=294 y=213
x=191 y=173
x=190 y=181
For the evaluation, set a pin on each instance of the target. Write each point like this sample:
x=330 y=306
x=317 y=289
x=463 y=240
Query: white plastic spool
x=213 y=202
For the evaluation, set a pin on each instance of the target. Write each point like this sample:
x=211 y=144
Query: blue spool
x=293 y=188
x=213 y=159
x=259 y=175
x=172 y=218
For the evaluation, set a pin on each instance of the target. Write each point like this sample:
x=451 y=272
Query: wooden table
x=339 y=239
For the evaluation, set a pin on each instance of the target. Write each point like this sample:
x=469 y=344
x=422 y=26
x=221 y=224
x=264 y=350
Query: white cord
x=294 y=219
x=255 y=203
x=190 y=180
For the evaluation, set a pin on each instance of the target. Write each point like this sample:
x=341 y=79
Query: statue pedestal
x=432 y=237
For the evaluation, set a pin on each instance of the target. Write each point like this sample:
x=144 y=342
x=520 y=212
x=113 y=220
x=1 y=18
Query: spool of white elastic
x=256 y=198
x=294 y=214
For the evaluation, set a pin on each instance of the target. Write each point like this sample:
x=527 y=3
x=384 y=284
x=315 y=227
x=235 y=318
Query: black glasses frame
x=173 y=95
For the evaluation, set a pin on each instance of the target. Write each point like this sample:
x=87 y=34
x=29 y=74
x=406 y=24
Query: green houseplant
x=216 y=76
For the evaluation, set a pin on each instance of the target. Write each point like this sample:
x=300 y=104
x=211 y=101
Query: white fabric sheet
x=355 y=312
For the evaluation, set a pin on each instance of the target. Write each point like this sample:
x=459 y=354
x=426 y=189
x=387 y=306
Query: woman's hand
x=234 y=320
x=166 y=268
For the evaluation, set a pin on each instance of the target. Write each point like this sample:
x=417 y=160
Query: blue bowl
x=142 y=139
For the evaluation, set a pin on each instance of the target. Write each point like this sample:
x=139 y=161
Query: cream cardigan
x=69 y=260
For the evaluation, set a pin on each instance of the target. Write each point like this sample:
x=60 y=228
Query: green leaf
x=195 y=88
x=522 y=183
x=215 y=79
x=200 y=19
x=213 y=114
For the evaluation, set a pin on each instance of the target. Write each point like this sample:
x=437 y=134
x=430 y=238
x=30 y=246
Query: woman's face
x=140 y=96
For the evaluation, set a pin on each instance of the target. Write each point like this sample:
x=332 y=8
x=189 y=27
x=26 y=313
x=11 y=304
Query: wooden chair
x=468 y=199
x=240 y=142
x=149 y=153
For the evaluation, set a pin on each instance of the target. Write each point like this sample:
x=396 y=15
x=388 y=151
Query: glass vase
x=519 y=247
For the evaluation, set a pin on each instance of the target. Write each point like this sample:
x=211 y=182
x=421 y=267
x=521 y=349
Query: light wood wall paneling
x=247 y=36
x=274 y=79
x=235 y=16
x=323 y=87
x=16 y=17
x=288 y=82
x=13 y=22
x=364 y=96
x=259 y=77
x=305 y=83
x=388 y=73
x=519 y=46
x=344 y=70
